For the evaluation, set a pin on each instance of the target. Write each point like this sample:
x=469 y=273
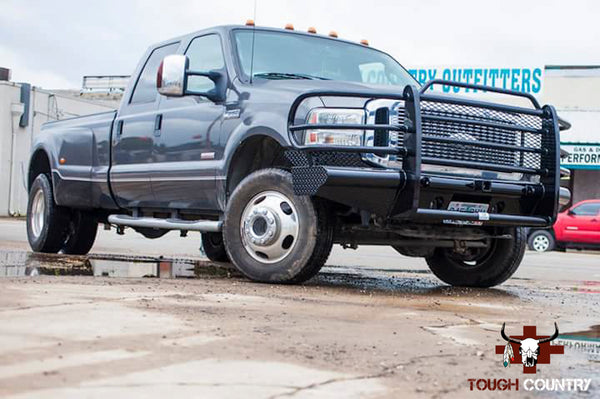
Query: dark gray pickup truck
x=276 y=144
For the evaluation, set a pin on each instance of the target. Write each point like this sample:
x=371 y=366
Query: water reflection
x=22 y=264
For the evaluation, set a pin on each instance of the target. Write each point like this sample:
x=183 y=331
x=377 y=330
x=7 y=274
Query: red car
x=577 y=227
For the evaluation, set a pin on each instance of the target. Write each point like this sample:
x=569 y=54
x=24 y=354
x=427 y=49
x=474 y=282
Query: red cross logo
x=546 y=349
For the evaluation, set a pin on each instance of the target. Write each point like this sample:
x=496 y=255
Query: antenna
x=253 y=39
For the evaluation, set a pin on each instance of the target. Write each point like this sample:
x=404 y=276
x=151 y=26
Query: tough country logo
x=529 y=348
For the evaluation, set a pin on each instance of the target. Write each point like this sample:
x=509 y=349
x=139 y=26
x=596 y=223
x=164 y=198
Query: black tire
x=81 y=233
x=46 y=234
x=489 y=267
x=310 y=248
x=214 y=248
x=541 y=241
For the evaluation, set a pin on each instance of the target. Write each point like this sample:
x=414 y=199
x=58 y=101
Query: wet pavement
x=153 y=318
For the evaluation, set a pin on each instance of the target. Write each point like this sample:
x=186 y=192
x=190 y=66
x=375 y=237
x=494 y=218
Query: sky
x=54 y=43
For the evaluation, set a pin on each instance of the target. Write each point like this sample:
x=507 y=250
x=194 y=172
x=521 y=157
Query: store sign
x=523 y=79
x=581 y=156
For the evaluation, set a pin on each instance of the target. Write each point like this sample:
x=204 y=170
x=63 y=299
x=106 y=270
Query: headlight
x=335 y=116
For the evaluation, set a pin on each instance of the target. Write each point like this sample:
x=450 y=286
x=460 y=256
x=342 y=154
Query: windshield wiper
x=283 y=75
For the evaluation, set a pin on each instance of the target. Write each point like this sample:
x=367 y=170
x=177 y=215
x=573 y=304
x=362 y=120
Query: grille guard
x=400 y=190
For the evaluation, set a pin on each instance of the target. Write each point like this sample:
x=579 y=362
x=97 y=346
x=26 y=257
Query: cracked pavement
x=371 y=324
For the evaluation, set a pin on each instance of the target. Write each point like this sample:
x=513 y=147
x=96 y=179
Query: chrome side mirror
x=171 y=76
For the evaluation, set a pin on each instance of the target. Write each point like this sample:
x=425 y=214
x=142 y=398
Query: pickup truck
x=576 y=227
x=276 y=144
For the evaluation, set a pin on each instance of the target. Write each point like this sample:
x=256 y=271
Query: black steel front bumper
x=410 y=193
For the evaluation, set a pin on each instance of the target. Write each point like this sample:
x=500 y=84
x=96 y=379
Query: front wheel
x=481 y=267
x=272 y=235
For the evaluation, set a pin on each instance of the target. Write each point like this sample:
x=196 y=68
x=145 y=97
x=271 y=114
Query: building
x=575 y=92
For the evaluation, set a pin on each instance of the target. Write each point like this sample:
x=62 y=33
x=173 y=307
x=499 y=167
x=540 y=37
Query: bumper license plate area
x=468 y=207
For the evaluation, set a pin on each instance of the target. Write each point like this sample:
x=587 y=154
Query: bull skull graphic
x=529 y=348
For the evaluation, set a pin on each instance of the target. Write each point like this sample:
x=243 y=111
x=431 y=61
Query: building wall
x=574 y=91
x=15 y=141
x=9 y=100
x=585 y=184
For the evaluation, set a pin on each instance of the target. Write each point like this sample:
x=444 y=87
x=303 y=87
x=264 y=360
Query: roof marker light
x=364 y=42
x=289 y=26
x=312 y=29
x=250 y=22
x=333 y=33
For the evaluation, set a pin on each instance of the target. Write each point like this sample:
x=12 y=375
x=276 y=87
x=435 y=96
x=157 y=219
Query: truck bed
x=79 y=152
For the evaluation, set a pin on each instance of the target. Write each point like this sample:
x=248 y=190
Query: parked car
x=276 y=144
x=576 y=227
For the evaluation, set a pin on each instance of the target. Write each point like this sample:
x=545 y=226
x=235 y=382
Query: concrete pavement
x=371 y=324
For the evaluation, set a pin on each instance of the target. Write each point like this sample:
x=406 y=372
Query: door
x=133 y=136
x=582 y=223
x=187 y=148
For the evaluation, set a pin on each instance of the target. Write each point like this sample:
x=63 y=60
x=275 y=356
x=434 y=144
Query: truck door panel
x=133 y=137
x=183 y=174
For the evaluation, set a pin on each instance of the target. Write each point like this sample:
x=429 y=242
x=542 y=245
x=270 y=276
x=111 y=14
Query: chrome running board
x=205 y=226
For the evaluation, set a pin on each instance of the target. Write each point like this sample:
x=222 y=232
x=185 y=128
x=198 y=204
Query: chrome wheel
x=269 y=227
x=540 y=243
x=38 y=210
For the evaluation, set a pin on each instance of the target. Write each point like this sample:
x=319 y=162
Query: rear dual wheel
x=214 y=247
x=51 y=228
x=272 y=235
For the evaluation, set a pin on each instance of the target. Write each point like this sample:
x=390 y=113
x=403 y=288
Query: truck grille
x=469 y=132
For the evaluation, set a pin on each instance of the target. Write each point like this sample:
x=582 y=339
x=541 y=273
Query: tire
x=214 y=248
x=541 y=241
x=485 y=268
x=302 y=230
x=46 y=222
x=81 y=233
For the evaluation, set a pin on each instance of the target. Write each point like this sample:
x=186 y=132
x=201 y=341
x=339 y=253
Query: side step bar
x=205 y=226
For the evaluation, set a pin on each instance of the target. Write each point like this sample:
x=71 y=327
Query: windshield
x=281 y=55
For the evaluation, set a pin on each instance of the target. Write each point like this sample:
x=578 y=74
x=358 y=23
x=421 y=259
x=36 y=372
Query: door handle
x=118 y=132
x=157 y=124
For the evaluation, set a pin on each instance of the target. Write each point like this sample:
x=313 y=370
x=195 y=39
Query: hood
x=296 y=87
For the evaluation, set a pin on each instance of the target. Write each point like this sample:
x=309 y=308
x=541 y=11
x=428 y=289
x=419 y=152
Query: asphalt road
x=371 y=324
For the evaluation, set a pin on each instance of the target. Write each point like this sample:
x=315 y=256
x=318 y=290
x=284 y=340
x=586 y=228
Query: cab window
x=205 y=54
x=589 y=209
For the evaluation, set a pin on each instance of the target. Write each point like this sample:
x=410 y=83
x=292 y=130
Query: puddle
x=586 y=342
x=22 y=264
x=399 y=281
